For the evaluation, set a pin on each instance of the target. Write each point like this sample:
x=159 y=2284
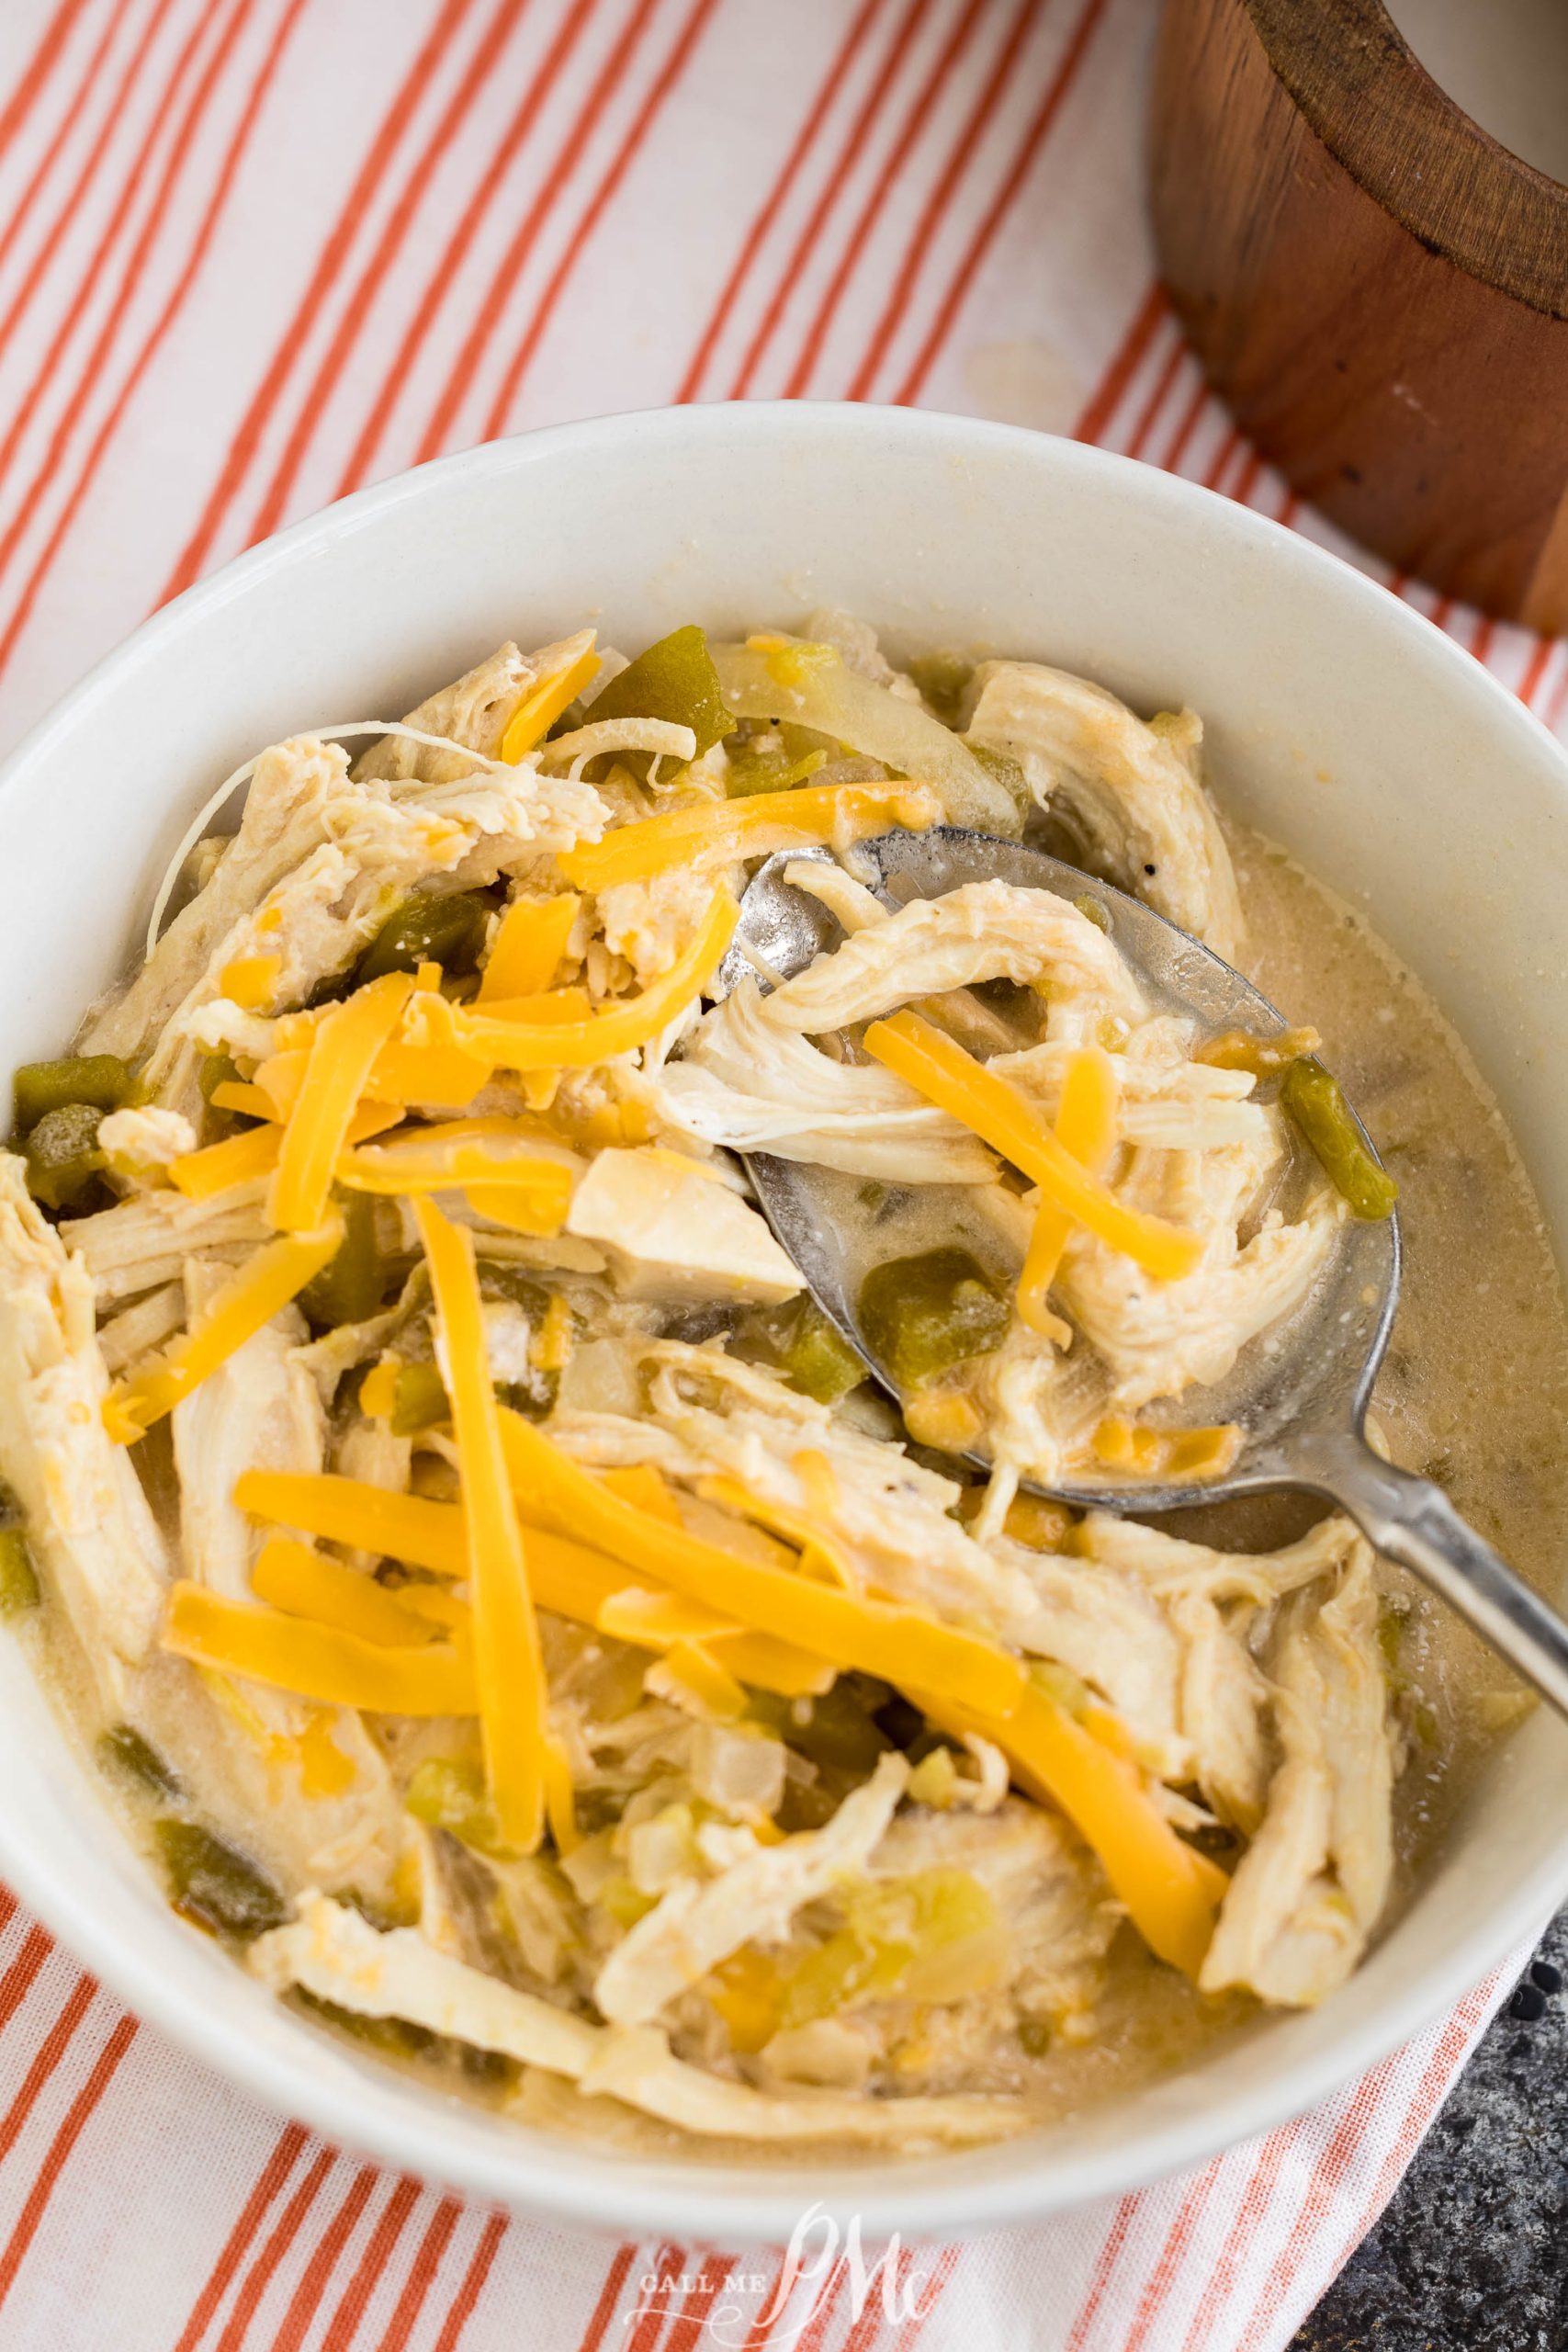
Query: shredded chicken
x=1132 y=789
x=86 y=1516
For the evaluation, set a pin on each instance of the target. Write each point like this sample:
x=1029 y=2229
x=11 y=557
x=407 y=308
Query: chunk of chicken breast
x=698 y=1923
x=984 y=931
x=1130 y=787
x=87 y=1520
x=332 y=1952
x=475 y=711
x=1310 y=1887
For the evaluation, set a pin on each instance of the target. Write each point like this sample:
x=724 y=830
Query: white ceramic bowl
x=1338 y=719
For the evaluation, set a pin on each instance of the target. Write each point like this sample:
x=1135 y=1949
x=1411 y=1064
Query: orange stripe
x=7 y=1906
x=1535 y=669
x=1149 y=414
x=476 y=75
x=700 y=2303
x=1128 y=358
x=474 y=2279
x=422 y=2275
x=599 y=2318
x=69 y=211
x=255 y=99
x=60 y=2150
x=46 y=2058
x=126 y=279
x=822 y=2318
x=533 y=110
x=851 y=149
x=1115 y=2239
x=673 y=67
x=553 y=184
x=761 y=2328
x=1246 y=481
x=39 y=68
x=70 y=116
x=936 y=80
x=669 y=2260
x=306 y=2300
x=1228 y=447
x=1251 y=2209
x=270 y=2180
x=333 y=254
x=946 y=2264
x=923 y=240
x=259 y=2278
x=1185 y=428
x=1001 y=203
x=816 y=115
x=1163 y=2276
x=379 y=2248
x=19 y=1979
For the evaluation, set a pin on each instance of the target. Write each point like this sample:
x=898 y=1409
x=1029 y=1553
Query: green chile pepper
x=214 y=1885
x=19 y=1589
x=1315 y=1100
x=429 y=928
x=675 y=680
x=922 y=1314
x=125 y=1753
x=101 y=1080
x=62 y=1155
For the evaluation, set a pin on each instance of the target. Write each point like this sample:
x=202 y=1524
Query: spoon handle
x=1412 y=1521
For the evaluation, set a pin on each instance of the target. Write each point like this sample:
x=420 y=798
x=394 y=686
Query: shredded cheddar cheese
x=249 y=981
x=508 y=1667
x=529 y=943
x=261 y=1288
x=342 y=1056
x=716 y=835
x=1085 y=1126
x=613 y=1029
x=940 y=1069
x=303 y=1583
x=316 y=1661
x=537 y=712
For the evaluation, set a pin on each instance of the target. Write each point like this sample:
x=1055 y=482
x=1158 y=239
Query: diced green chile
x=429 y=928
x=534 y=1397
x=751 y=770
x=214 y=1885
x=942 y=678
x=445 y=1795
x=18 y=1578
x=420 y=1400
x=922 y=1314
x=62 y=1155
x=124 y=1752
x=1315 y=1100
x=675 y=680
x=817 y=1358
x=353 y=1283
x=1006 y=770
x=393 y=2037
x=101 y=1080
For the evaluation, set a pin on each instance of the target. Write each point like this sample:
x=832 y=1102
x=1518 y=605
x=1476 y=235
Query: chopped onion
x=836 y=701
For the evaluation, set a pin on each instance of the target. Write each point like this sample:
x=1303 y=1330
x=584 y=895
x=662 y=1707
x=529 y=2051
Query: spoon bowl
x=1298 y=1392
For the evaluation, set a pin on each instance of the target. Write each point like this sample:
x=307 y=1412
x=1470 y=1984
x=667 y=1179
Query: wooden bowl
x=1378 y=288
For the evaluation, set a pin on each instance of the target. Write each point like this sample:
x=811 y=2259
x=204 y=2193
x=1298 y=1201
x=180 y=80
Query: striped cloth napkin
x=255 y=253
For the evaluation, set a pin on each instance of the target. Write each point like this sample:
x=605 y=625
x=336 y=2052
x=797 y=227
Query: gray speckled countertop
x=1472 y=2255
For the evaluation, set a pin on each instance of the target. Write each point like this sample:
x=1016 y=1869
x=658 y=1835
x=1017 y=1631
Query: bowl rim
x=663 y=2197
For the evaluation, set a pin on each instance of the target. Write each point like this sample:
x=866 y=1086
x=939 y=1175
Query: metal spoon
x=1299 y=1391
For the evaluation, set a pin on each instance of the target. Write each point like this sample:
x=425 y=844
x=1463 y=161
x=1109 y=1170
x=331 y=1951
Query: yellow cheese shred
x=1205 y=1452
x=529 y=947
x=316 y=1661
x=537 y=712
x=508 y=1667
x=303 y=1583
x=492 y=1034
x=249 y=981
x=819 y=1555
x=351 y=1511
x=1085 y=1126
x=236 y=1311
x=899 y=1644
x=342 y=1056
x=718 y=833
x=690 y=1672
x=940 y=1069
x=243 y=1158
x=1172 y=1893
